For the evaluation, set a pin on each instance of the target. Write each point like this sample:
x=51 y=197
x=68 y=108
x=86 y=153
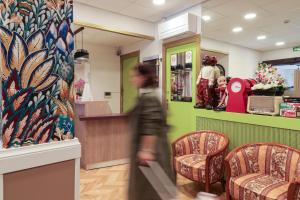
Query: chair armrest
x=215 y=165
x=297 y=179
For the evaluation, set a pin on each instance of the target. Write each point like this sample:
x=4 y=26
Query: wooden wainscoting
x=49 y=182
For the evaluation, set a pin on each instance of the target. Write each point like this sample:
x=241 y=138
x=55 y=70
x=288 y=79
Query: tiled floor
x=111 y=184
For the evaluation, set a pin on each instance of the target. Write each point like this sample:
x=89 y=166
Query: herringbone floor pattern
x=111 y=184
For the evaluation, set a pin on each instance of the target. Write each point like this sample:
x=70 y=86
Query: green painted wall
x=129 y=91
x=181 y=114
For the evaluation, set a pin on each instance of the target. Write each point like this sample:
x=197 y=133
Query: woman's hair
x=148 y=71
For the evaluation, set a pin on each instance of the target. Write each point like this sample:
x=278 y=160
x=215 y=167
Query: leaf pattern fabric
x=36 y=44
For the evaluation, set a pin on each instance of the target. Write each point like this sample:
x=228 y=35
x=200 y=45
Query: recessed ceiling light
x=280 y=43
x=159 y=2
x=261 y=37
x=206 y=17
x=237 y=29
x=250 y=16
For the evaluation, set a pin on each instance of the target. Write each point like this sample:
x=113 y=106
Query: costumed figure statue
x=217 y=74
x=205 y=83
x=221 y=92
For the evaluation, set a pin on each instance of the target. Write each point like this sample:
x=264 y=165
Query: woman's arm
x=147 y=149
x=150 y=124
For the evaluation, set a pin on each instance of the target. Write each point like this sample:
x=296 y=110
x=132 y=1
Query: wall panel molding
x=243 y=133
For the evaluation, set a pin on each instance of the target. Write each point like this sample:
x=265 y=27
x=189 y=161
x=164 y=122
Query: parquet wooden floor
x=111 y=184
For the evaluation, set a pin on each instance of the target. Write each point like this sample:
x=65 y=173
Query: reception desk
x=104 y=138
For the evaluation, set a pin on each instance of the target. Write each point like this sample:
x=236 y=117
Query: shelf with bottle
x=181 y=77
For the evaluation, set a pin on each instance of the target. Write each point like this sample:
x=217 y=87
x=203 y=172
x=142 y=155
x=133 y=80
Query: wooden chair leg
x=207 y=187
x=228 y=197
x=223 y=182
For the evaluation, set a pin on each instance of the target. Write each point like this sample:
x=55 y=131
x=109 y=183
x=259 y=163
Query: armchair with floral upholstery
x=263 y=171
x=199 y=156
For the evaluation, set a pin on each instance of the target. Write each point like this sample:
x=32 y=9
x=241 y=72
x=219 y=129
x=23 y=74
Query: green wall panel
x=242 y=133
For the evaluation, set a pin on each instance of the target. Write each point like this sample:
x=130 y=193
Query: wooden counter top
x=99 y=117
x=260 y=120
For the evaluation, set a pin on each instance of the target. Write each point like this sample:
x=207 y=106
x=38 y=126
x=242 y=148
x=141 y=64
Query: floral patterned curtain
x=37 y=70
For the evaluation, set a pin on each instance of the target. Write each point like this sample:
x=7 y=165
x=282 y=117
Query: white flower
x=258 y=86
x=267 y=86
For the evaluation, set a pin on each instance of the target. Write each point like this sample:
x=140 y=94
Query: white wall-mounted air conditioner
x=182 y=25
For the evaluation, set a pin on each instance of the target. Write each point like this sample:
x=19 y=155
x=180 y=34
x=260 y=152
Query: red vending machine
x=238 y=92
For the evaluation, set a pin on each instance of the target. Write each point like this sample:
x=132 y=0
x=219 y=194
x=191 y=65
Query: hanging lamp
x=81 y=55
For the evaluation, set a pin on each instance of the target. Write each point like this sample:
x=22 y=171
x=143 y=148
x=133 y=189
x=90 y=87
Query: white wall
x=279 y=54
x=89 y=14
x=242 y=61
x=105 y=74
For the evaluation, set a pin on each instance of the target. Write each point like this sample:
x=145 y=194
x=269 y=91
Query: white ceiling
x=225 y=15
x=142 y=9
x=104 y=38
x=271 y=14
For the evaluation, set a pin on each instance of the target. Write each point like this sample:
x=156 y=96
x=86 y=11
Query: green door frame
x=188 y=123
x=122 y=58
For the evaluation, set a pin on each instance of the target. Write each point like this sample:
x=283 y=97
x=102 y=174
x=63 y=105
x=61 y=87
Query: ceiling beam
x=121 y=32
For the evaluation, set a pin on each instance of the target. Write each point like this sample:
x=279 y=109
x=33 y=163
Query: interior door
x=129 y=92
x=181 y=114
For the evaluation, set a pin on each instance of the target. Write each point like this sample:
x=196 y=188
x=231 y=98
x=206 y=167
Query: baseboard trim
x=107 y=164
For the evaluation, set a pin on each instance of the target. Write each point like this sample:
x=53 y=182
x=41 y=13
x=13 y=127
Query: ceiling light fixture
x=261 y=37
x=237 y=29
x=250 y=16
x=159 y=2
x=206 y=17
x=280 y=43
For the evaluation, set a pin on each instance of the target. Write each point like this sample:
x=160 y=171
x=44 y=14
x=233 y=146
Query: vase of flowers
x=79 y=86
x=269 y=81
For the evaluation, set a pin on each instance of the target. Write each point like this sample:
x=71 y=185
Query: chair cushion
x=258 y=186
x=191 y=166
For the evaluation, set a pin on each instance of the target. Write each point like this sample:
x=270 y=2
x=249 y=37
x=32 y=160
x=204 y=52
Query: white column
x=1 y=188
x=77 y=179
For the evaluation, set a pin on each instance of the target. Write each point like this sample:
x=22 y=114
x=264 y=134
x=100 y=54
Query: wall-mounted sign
x=296 y=49
x=174 y=60
x=188 y=57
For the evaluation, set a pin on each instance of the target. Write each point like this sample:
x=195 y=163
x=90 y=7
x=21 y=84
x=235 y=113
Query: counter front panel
x=246 y=128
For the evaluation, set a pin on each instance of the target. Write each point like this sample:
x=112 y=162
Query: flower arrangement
x=269 y=81
x=79 y=86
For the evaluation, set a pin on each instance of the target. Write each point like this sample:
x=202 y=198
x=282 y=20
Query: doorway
x=128 y=92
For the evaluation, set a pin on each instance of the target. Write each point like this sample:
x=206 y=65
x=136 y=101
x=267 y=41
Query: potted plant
x=269 y=81
x=79 y=86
